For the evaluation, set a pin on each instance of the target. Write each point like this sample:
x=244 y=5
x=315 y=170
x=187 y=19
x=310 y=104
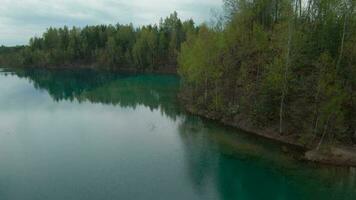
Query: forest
x=109 y=47
x=286 y=66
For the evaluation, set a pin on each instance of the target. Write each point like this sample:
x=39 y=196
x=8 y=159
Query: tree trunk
x=324 y=133
x=316 y=127
x=309 y=8
x=276 y=12
x=216 y=95
x=206 y=89
x=342 y=44
x=300 y=8
x=285 y=81
x=316 y=111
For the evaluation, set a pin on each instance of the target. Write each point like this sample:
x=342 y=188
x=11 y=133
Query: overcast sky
x=22 y=19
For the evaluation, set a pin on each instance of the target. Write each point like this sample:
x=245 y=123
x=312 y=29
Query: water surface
x=85 y=135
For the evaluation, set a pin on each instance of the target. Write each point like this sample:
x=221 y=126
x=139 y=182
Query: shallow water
x=94 y=135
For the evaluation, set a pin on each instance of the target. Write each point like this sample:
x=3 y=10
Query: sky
x=22 y=19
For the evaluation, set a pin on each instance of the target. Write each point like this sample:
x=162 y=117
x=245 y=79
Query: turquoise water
x=85 y=135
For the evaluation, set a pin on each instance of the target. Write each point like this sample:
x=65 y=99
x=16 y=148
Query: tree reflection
x=233 y=164
x=125 y=90
x=240 y=166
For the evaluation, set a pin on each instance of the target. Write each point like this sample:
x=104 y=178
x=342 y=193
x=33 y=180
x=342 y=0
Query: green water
x=85 y=135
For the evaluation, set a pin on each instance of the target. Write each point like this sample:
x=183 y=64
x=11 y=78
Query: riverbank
x=333 y=155
x=337 y=155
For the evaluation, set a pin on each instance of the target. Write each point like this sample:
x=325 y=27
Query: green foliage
x=283 y=65
x=11 y=56
x=117 y=47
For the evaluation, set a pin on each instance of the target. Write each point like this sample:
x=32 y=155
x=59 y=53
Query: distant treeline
x=286 y=66
x=105 y=46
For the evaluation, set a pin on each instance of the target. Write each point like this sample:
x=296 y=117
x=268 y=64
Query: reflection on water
x=244 y=167
x=89 y=135
x=107 y=88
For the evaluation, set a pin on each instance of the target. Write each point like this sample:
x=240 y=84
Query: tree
x=283 y=66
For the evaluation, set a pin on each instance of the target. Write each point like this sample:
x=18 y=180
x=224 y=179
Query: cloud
x=22 y=19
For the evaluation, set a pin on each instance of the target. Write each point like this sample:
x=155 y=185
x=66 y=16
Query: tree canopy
x=285 y=65
x=112 y=47
x=282 y=65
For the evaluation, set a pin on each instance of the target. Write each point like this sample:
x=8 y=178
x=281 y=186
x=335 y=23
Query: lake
x=85 y=135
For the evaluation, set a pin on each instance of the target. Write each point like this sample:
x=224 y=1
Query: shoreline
x=337 y=155
x=162 y=69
